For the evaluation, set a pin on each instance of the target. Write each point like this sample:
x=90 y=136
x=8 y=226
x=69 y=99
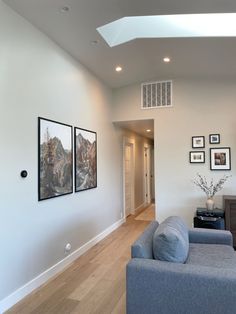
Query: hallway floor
x=95 y=282
x=148 y=214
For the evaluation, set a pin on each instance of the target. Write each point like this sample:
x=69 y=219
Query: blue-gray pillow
x=170 y=241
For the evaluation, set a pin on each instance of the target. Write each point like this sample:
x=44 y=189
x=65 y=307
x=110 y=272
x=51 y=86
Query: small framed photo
x=198 y=141
x=214 y=138
x=220 y=158
x=197 y=157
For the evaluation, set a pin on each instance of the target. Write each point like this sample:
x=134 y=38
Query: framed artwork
x=214 y=138
x=85 y=159
x=197 y=157
x=55 y=158
x=220 y=158
x=198 y=141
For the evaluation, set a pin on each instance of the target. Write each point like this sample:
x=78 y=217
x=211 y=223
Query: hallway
x=94 y=283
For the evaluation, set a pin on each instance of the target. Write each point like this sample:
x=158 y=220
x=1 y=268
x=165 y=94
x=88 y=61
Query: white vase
x=210 y=203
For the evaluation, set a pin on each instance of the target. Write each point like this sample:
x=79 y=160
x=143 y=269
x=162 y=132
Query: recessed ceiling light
x=148 y=130
x=64 y=9
x=166 y=59
x=118 y=68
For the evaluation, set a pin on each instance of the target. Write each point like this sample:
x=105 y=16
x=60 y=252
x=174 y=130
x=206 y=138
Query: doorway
x=137 y=135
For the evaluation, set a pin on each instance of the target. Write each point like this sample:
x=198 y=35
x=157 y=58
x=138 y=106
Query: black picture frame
x=55 y=159
x=85 y=156
x=197 y=157
x=220 y=158
x=214 y=138
x=198 y=141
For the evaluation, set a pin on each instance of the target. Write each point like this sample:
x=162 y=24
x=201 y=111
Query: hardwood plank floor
x=148 y=214
x=94 y=283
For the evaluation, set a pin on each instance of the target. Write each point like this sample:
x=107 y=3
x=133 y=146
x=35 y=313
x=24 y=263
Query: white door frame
x=147 y=173
x=152 y=171
x=129 y=142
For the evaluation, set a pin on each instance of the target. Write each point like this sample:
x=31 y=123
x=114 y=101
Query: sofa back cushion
x=171 y=241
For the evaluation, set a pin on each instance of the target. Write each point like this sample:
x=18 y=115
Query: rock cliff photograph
x=85 y=159
x=55 y=159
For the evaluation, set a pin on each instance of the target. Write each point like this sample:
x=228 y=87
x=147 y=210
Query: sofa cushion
x=214 y=255
x=170 y=241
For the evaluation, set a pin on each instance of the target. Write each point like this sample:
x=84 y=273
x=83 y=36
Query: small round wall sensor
x=68 y=247
x=24 y=173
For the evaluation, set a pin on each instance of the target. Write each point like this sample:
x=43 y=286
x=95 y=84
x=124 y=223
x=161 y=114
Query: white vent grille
x=156 y=94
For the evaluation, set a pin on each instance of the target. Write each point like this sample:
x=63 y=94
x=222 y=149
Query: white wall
x=37 y=78
x=201 y=107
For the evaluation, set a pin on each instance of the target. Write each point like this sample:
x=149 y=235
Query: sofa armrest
x=161 y=287
x=210 y=236
x=142 y=247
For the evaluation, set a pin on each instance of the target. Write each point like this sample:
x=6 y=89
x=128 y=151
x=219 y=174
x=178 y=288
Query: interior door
x=147 y=176
x=152 y=175
x=128 y=180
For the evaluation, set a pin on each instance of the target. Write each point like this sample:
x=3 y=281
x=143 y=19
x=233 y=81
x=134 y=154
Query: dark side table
x=213 y=219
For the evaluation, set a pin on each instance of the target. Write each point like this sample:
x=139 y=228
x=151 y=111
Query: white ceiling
x=141 y=59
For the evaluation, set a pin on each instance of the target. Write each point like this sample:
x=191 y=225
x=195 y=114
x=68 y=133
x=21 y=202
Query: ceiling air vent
x=156 y=94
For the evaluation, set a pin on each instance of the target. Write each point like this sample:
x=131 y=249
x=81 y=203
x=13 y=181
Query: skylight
x=169 y=26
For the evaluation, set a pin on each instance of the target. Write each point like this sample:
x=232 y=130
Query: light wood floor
x=94 y=283
x=148 y=214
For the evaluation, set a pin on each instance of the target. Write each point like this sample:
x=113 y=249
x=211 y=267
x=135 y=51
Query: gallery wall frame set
x=220 y=157
x=55 y=159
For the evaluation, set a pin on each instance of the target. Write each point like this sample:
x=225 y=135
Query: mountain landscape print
x=85 y=159
x=55 y=159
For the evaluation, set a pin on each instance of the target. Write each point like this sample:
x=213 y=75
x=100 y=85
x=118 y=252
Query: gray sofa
x=204 y=284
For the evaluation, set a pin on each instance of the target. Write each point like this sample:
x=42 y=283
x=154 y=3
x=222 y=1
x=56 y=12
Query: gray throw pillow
x=170 y=241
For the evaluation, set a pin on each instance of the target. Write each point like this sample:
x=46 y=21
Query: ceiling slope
x=141 y=59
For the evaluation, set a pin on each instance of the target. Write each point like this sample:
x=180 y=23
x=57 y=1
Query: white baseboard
x=23 y=291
